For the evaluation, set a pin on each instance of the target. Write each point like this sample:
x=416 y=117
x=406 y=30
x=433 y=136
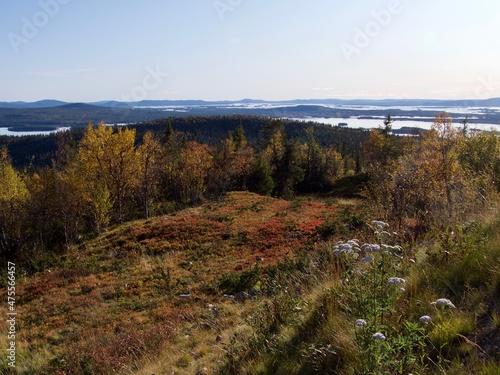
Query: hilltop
x=139 y=283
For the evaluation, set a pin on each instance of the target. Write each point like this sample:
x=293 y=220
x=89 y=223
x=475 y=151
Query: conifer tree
x=260 y=180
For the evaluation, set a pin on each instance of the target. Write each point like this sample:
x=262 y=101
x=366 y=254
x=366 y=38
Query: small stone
x=241 y=297
x=205 y=326
x=254 y=293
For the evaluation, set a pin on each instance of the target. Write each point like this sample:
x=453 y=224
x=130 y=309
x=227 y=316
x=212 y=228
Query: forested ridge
x=79 y=182
x=40 y=150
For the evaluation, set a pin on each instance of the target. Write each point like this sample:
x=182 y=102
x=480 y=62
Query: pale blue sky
x=90 y=50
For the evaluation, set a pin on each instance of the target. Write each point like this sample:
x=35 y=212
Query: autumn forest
x=109 y=176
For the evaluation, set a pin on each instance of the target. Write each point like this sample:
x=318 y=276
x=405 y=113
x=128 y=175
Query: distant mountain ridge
x=48 y=103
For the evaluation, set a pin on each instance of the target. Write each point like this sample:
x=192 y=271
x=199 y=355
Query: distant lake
x=6 y=131
x=355 y=122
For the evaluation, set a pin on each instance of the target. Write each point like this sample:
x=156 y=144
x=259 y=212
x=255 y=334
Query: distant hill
x=47 y=103
x=53 y=114
x=70 y=114
x=78 y=106
x=491 y=102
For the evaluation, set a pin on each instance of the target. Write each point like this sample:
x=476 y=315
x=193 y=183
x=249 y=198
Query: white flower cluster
x=379 y=225
x=367 y=259
x=395 y=248
x=379 y=336
x=426 y=319
x=443 y=302
x=361 y=323
x=369 y=247
x=349 y=247
x=396 y=280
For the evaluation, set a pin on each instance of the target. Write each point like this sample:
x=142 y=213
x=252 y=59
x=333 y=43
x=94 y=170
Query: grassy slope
x=117 y=304
x=118 y=298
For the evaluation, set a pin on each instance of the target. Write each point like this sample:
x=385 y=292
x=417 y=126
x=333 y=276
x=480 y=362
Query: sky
x=130 y=50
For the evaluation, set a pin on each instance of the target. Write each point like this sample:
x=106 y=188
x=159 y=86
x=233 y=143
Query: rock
x=206 y=326
x=254 y=293
x=241 y=296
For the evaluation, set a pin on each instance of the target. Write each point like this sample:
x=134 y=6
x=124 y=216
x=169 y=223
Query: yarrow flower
x=361 y=323
x=345 y=247
x=378 y=336
x=396 y=280
x=396 y=248
x=349 y=247
x=444 y=302
x=367 y=259
x=379 y=224
x=371 y=247
x=426 y=319
x=353 y=243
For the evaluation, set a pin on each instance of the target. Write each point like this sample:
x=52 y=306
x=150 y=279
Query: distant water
x=6 y=131
x=355 y=122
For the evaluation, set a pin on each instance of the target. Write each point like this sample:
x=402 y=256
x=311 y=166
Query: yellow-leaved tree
x=231 y=164
x=150 y=157
x=109 y=164
x=13 y=196
x=426 y=184
x=191 y=172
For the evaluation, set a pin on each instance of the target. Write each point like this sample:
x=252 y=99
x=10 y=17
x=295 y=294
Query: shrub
x=234 y=282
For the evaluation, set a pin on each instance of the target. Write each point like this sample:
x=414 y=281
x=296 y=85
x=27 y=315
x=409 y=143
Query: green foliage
x=479 y=154
x=242 y=282
x=374 y=282
x=260 y=181
x=465 y=258
x=341 y=224
x=445 y=332
x=288 y=173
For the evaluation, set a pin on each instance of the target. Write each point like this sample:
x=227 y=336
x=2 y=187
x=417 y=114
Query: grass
x=122 y=289
x=148 y=297
x=323 y=338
